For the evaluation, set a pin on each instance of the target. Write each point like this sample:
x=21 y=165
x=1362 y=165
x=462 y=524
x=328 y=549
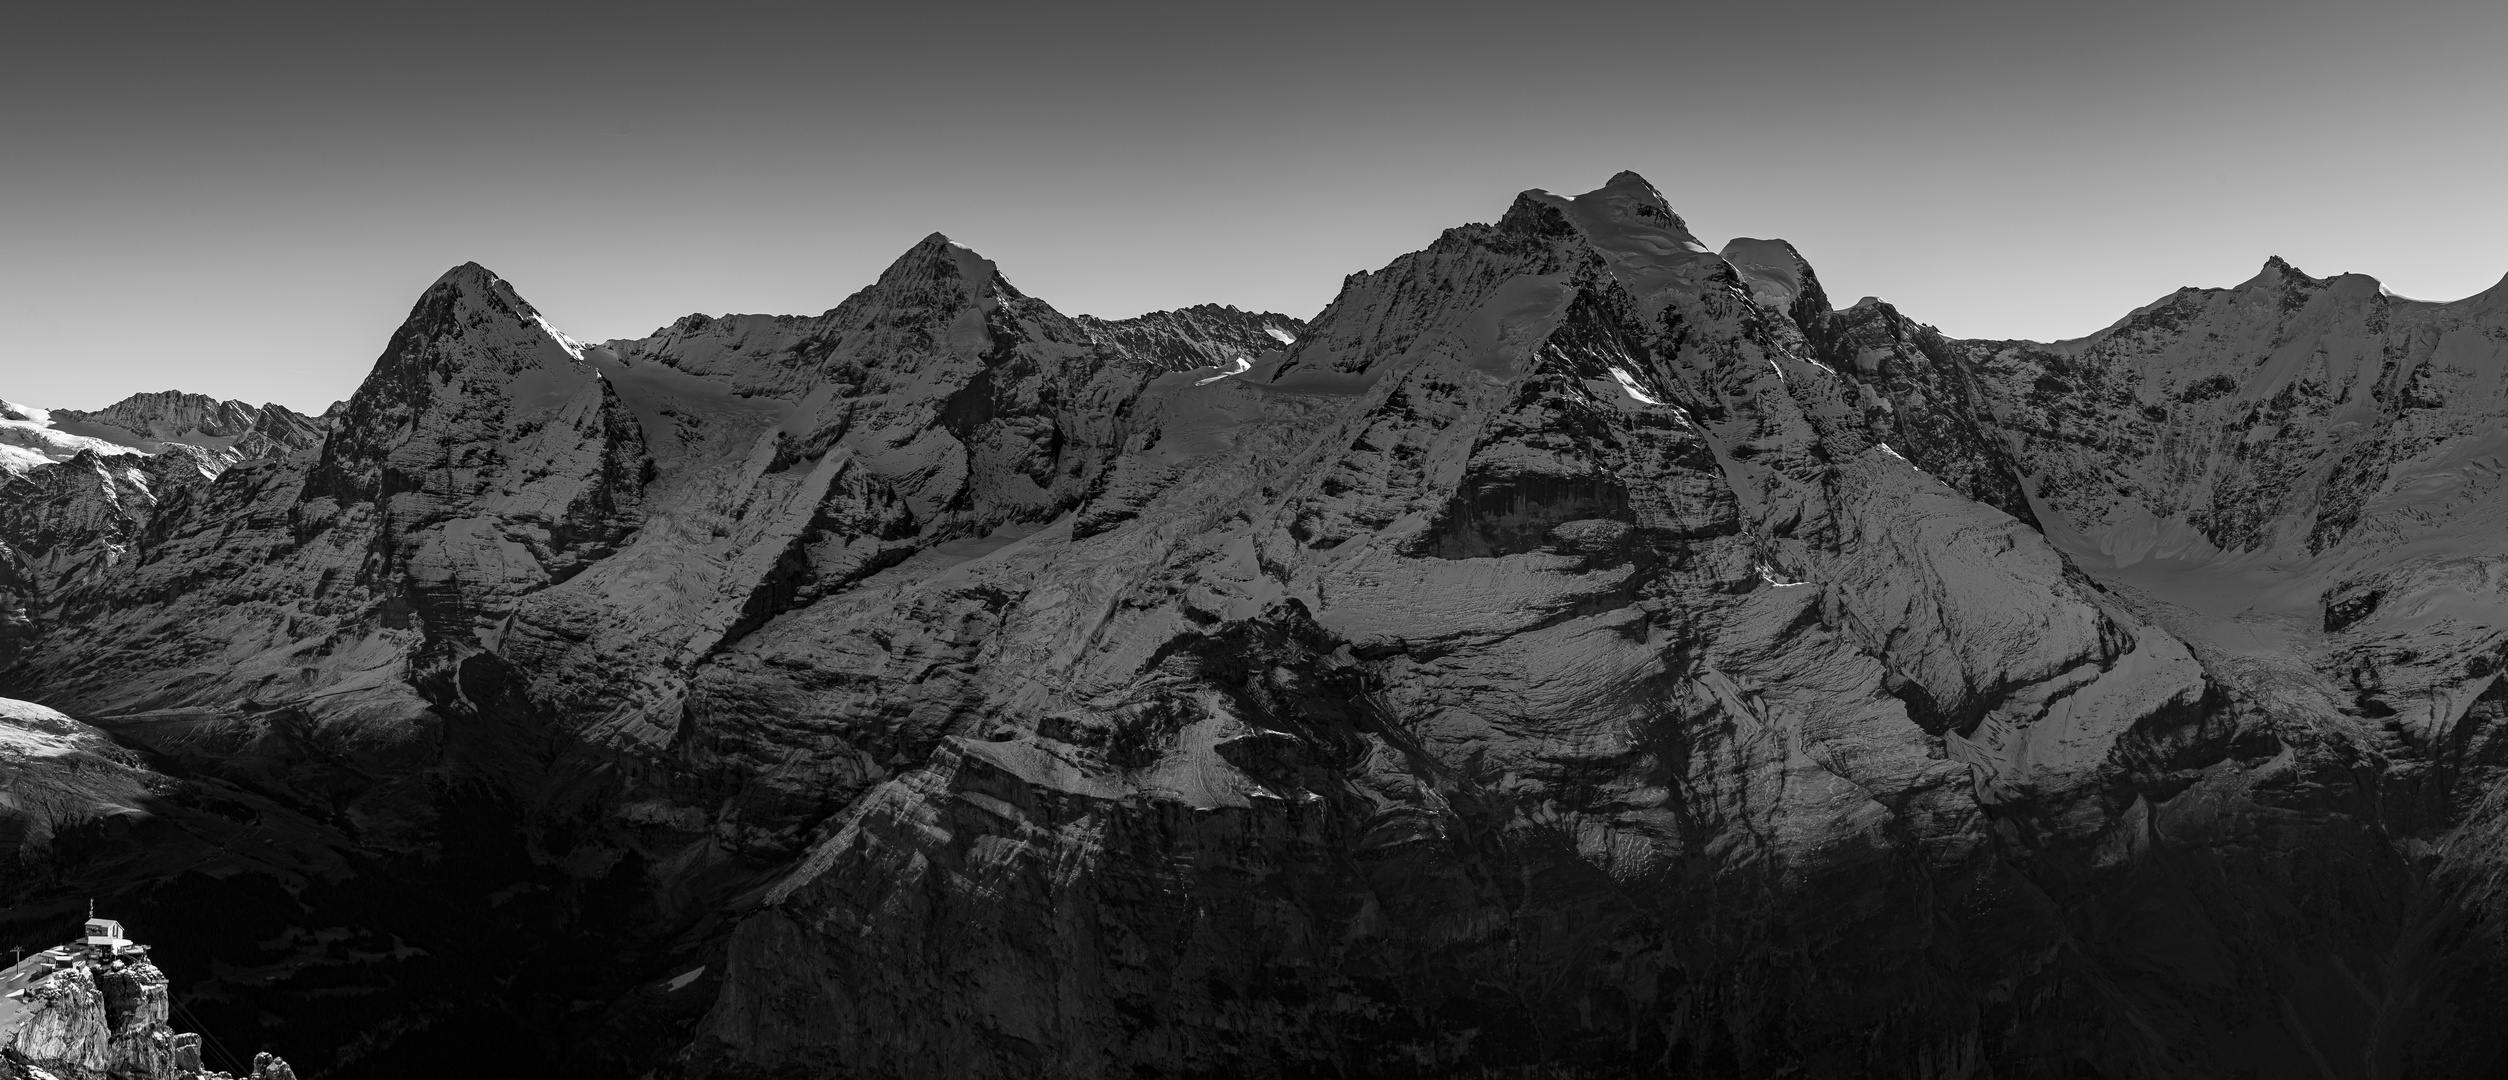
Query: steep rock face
x=1452 y=711
x=270 y=632
x=1201 y=336
x=2290 y=476
x=90 y=509
x=65 y=1028
x=484 y=459
x=2295 y=475
x=17 y=622
x=803 y=455
x=63 y=525
x=308 y=580
x=1576 y=652
x=2240 y=419
x=75 y=504
x=1911 y=388
x=486 y=592
x=137 y=1009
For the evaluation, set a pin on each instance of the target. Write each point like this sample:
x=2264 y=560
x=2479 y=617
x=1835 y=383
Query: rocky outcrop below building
x=106 y=1019
x=64 y=1026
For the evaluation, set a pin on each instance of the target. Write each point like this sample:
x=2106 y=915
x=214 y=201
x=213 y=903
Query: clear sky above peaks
x=244 y=200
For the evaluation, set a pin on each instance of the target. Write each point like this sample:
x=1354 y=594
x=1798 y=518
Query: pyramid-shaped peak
x=472 y=279
x=470 y=300
x=480 y=285
x=467 y=273
x=937 y=250
x=937 y=259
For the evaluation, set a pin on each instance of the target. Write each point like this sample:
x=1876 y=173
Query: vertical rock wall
x=136 y=1006
x=66 y=1029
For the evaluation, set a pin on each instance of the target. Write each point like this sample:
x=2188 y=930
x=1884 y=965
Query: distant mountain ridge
x=225 y=432
x=1575 y=652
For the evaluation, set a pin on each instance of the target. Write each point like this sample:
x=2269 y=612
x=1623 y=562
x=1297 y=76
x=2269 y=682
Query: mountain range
x=1574 y=652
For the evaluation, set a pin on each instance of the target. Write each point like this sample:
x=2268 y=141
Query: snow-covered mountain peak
x=472 y=354
x=473 y=366
x=1649 y=247
x=1627 y=201
x=481 y=286
x=474 y=302
x=1628 y=189
x=1773 y=269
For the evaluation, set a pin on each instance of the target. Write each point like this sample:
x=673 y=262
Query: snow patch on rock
x=1241 y=367
x=1628 y=384
x=38 y=731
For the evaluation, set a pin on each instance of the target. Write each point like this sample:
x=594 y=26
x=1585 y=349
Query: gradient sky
x=244 y=200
